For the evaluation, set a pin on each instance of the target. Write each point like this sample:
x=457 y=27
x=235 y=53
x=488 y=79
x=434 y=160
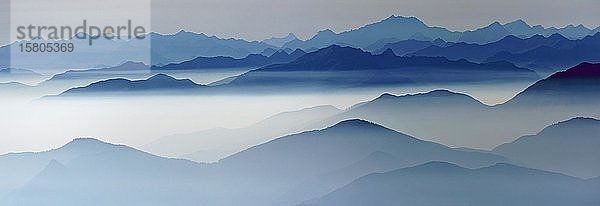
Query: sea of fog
x=32 y=123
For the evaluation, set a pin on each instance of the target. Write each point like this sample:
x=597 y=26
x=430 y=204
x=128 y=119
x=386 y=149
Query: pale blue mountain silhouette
x=90 y=172
x=441 y=183
x=18 y=168
x=19 y=75
x=280 y=41
x=417 y=113
x=569 y=147
x=398 y=28
x=287 y=162
x=490 y=33
x=87 y=171
x=186 y=45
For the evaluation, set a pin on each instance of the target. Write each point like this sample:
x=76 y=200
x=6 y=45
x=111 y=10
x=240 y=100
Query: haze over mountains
x=385 y=114
x=63 y=172
x=569 y=147
x=352 y=162
x=398 y=28
x=338 y=67
x=161 y=49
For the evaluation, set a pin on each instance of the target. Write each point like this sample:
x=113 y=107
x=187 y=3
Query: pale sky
x=260 y=19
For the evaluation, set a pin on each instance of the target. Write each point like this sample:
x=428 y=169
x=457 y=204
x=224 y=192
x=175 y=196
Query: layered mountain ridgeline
x=579 y=85
x=398 y=28
x=162 y=49
x=337 y=66
x=543 y=54
x=250 y=61
x=569 y=147
x=479 y=53
x=563 y=54
x=183 y=46
x=78 y=172
x=157 y=84
x=440 y=183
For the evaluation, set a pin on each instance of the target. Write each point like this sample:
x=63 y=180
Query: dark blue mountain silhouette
x=569 y=147
x=479 y=53
x=156 y=83
x=554 y=57
x=337 y=66
x=579 y=85
x=440 y=183
x=253 y=60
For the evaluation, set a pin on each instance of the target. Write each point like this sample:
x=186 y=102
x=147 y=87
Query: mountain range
x=398 y=28
x=337 y=67
x=353 y=162
x=543 y=54
x=87 y=170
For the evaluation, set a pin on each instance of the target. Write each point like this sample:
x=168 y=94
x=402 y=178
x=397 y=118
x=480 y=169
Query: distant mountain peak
x=85 y=141
x=518 y=22
x=326 y=32
x=388 y=52
x=434 y=167
x=161 y=76
x=354 y=123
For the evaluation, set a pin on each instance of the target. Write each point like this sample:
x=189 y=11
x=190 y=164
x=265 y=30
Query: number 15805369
x=46 y=47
